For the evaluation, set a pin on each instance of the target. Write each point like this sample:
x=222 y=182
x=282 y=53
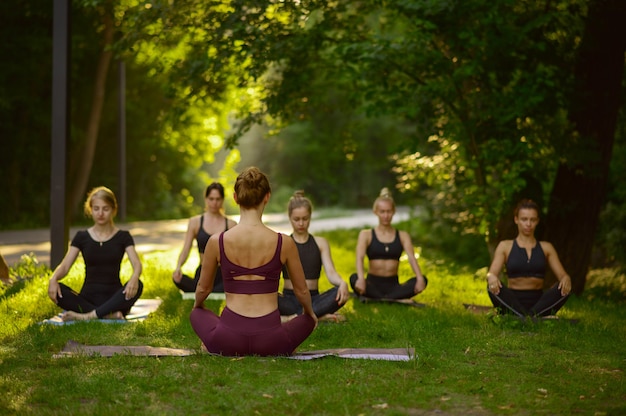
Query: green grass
x=467 y=364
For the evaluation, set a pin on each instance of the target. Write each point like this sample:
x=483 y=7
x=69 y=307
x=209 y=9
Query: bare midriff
x=525 y=283
x=252 y=306
x=383 y=267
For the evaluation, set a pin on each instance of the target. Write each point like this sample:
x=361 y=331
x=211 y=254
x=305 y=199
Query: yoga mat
x=140 y=311
x=73 y=348
x=385 y=354
x=212 y=296
x=408 y=302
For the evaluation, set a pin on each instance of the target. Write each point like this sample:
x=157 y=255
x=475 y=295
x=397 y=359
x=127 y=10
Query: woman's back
x=250 y=246
x=250 y=259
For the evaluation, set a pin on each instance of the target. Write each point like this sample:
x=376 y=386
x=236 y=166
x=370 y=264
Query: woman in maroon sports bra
x=526 y=260
x=251 y=257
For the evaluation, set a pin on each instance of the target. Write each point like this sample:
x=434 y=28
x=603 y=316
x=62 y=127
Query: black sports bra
x=310 y=258
x=519 y=265
x=384 y=251
x=203 y=237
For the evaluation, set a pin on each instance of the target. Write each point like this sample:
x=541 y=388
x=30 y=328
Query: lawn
x=467 y=364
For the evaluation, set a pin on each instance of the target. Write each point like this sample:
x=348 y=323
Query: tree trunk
x=4 y=271
x=580 y=187
x=78 y=188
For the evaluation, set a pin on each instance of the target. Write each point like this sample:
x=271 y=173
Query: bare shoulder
x=213 y=240
x=547 y=247
x=504 y=246
x=321 y=242
x=287 y=248
x=404 y=236
x=365 y=237
x=194 y=222
x=287 y=240
x=365 y=233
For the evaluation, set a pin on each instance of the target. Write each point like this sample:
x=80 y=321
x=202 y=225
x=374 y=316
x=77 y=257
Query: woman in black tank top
x=200 y=228
x=383 y=245
x=314 y=253
x=526 y=260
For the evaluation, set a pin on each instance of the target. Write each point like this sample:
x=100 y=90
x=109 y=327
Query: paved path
x=168 y=234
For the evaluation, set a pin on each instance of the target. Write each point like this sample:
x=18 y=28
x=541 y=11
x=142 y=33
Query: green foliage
x=173 y=133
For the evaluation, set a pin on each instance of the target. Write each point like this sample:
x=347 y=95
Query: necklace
x=384 y=244
x=99 y=237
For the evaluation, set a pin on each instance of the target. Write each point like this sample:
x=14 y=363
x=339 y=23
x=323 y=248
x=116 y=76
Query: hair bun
x=385 y=193
x=298 y=194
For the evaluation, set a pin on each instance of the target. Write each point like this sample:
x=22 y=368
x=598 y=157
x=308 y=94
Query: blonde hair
x=298 y=200
x=385 y=195
x=251 y=186
x=103 y=193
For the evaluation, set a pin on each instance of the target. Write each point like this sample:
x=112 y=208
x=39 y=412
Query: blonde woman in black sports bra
x=383 y=246
x=526 y=260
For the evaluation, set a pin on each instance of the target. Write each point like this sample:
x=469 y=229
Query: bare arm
x=499 y=258
x=192 y=231
x=60 y=272
x=565 y=282
x=133 y=284
x=329 y=267
x=407 y=245
x=207 y=274
x=296 y=275
x=363 y=241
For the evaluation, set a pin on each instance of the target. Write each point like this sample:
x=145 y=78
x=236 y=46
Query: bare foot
x=332 y=317
x=287 y=318
x=75 y=316
x=114 y=315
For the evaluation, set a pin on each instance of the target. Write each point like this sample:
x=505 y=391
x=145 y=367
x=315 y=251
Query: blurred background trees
x=462 y=107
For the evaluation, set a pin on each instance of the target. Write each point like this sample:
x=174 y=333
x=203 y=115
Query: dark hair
x=251 y=187
x=526 y=204
x=103 y=193
x=298 y=200
x=384 y=195
x=214 y=185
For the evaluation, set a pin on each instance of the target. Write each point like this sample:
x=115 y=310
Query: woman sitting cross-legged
x=526 y=260
x=251 y=257
x=314 y=252
x=383 y=246
x=103 y=247
x=200 y=228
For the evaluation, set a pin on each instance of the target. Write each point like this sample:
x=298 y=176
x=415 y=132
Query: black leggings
x=188 y=283
x=105 y=299
x=378 y=287
x=528 y=302
x=323 y=304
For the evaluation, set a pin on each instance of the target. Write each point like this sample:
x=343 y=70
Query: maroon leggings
x=234 y=334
